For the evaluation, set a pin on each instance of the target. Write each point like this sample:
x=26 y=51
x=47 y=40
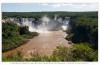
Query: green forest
x=82 y=31
x=50 y=14
x=14 y=35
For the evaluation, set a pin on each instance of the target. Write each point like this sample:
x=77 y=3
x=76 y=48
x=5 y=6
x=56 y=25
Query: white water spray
x=44 y=24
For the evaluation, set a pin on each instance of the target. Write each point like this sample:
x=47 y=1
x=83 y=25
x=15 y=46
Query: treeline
x=78 y=52
x=14 y=35
x=50 y=14
x=84 y=29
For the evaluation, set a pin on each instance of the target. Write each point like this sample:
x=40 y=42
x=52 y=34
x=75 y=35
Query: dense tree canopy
x=10 y=36
x=84 y=29
x=50 y=14
x=14 y=35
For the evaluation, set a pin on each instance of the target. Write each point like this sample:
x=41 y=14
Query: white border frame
x=49 y=1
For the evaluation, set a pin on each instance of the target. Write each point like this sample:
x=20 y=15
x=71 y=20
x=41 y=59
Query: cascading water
x=45 y=21
x=65 y=24
x=43 y=24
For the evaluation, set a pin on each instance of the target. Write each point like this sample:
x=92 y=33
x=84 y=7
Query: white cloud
x=45 y=4
x=56 y=5
x=85 y=7
x=72 y=6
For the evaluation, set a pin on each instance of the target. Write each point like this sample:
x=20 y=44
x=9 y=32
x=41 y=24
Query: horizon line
x=50 y=11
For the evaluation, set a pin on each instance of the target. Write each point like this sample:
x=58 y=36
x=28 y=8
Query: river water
x=44 y=44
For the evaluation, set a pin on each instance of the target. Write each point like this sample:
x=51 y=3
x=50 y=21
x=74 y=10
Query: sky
x=39 y=7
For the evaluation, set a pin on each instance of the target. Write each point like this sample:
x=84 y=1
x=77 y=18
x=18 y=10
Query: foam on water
x=64 y=27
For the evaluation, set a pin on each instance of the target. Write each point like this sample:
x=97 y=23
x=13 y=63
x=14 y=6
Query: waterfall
x=44 y=23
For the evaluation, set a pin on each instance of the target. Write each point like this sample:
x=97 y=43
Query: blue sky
x=36 y=7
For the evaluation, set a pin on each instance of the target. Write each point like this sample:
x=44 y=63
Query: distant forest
x=50 y=14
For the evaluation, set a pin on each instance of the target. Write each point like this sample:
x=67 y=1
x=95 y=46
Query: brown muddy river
x=44 y=44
